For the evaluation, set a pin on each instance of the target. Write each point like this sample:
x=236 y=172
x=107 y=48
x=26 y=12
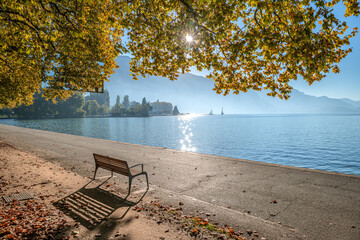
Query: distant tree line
x=5 y=112
x=94 y=104
x=130 y=109
x=41 y=108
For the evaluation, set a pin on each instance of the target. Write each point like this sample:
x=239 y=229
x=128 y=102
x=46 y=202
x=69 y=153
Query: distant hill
x=194 y=94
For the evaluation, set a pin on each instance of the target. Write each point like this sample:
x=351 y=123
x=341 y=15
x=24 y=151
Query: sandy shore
x=48 y=182
x=61 y=207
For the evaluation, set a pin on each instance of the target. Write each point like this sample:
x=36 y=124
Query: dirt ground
x=47 y=183
x=65 y=207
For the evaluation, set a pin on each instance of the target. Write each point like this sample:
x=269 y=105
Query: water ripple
x=324 y=142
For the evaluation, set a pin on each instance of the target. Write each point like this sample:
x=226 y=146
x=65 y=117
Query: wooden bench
x=119 y=166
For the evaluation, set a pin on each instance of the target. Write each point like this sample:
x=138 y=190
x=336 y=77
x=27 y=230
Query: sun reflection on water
x=186 y=124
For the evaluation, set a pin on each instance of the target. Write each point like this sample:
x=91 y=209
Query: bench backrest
x=112 y=164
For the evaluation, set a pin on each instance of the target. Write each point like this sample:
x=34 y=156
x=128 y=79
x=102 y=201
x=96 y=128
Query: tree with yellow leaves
x=57 y=45
x=244 y=45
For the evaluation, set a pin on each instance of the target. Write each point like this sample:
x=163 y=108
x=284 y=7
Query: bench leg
x=96 y=168
x=130 y=180
x=147 y=181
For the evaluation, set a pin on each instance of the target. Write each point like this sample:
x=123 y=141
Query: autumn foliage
x=259 y=45
x=29 y=220
x=58 y=45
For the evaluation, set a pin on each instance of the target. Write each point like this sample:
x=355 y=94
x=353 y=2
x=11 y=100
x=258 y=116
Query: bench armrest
x=140 y=164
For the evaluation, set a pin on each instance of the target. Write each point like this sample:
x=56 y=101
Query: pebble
x=214 y=234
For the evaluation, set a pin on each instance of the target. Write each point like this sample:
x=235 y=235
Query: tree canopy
x=101 y=98
x=57 y=45
x=91 y=107
x=71 y=107
x=259 y=45
x=126 y=102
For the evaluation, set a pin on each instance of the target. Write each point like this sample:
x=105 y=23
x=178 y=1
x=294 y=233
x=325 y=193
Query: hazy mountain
x=194 y=94
x=355 y=104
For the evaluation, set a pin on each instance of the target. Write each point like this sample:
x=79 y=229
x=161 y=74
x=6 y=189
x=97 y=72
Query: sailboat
x=211 y=112
x=222 y=111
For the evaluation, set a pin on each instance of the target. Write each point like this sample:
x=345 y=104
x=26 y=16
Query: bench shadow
x=91 y=206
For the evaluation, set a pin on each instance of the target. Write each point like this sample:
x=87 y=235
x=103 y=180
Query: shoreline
x=316 y=204
x=190 y=152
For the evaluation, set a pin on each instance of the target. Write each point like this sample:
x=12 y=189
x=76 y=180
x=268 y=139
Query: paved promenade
x=282 y=202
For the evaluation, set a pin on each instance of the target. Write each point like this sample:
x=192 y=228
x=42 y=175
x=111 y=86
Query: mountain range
x=194 y=94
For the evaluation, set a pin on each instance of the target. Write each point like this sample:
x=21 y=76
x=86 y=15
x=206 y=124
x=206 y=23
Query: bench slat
x=115 y=164
x=112 y=164
x=111 y=160
x=112 y=168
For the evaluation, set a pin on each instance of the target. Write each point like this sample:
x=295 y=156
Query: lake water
x=324 y=142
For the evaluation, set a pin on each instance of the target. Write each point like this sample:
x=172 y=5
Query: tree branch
x=7 y=64
x=56 y=7
x=287 y=29
x=256 y=20
x=195 y=14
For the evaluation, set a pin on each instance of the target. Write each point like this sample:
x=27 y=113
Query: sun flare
x=189 y=38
